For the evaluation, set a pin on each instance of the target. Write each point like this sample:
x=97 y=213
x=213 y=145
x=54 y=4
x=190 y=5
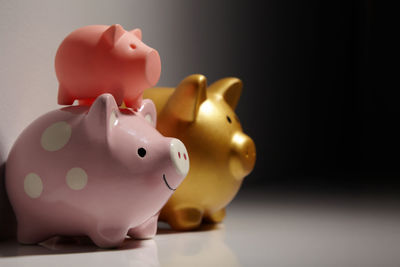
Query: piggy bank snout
x=179 y=157
x=243 y=156
x=153 y=67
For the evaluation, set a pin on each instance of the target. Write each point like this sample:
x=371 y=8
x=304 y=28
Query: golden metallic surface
x=221 y=155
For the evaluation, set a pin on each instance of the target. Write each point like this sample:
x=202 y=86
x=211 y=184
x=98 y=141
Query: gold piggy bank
x=221 y=155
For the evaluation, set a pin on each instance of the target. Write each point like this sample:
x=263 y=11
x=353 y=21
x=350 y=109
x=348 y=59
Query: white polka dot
x=76 y=178
x=33 y=185
x=148 y=118
x=56 y=136
x=113 y=119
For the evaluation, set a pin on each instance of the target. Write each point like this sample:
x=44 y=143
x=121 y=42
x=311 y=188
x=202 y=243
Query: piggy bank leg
x=108 y=237
x=215 y=217
x=146 y=230
x=64 y=98
x=31 y=234
x=184 y=218
x=134 y=103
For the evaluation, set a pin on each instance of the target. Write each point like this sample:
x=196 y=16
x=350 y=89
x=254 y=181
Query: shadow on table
x=65 y=245
x=164 y=229
x=205 y=246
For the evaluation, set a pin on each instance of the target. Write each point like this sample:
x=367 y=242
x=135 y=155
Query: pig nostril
x=178 y=156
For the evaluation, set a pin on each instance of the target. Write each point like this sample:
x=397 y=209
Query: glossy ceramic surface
x=99 y=59
x=221 y=154
x=102 y=171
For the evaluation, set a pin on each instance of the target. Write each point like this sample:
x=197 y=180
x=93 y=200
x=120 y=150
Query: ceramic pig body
x=221 y=154
x=99 y=171
x=99 y=59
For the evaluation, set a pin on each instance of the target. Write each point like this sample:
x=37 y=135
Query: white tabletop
x=260 y=230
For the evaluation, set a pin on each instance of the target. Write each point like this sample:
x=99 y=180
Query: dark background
x=318 y=98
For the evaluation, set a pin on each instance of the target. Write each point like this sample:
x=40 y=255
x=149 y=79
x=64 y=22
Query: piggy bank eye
x=141 y=152
x=229 y=119
x=133 y=46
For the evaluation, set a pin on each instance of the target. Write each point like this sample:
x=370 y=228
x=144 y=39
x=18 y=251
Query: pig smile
x=165 y=180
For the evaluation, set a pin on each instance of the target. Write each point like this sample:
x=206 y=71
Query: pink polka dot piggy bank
x=99 y=171
x=99 y=59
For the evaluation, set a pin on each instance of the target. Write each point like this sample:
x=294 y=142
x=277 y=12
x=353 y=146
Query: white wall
x=30 y=33
x=191 y=37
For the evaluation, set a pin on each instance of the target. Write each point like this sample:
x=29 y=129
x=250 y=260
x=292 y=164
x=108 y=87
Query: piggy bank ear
x=112 y=35
x=138 y=33
x=185 y=102
x=229 y=88
x=102 y=117
x=148 y=110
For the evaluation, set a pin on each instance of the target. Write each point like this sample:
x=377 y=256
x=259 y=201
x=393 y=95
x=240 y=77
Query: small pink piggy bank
x=99 y=59
x=99 y=171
